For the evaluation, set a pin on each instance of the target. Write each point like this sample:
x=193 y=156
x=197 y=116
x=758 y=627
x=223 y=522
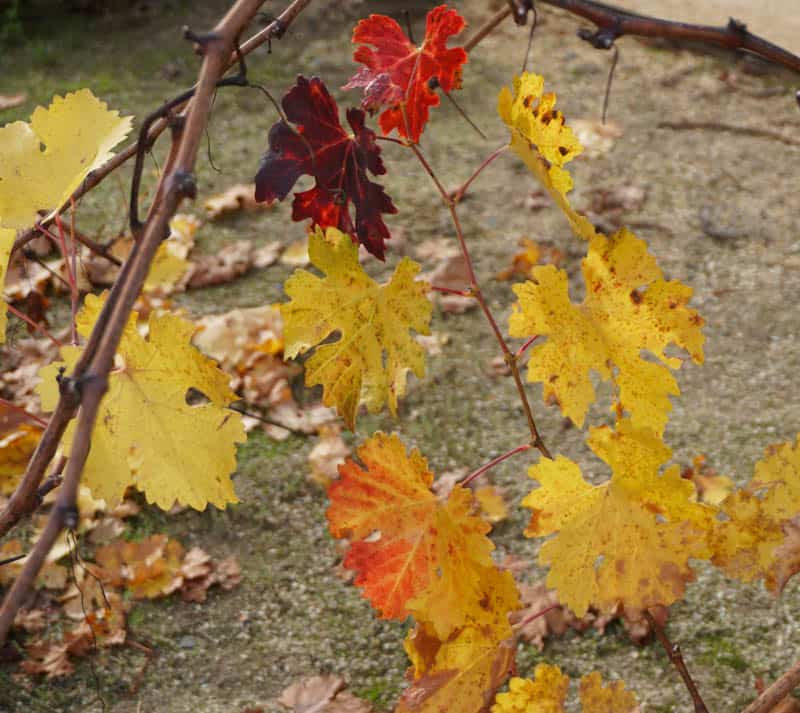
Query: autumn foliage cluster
x=623 y=545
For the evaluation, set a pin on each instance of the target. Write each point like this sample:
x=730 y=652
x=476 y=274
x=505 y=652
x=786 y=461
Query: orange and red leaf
x=397 y=75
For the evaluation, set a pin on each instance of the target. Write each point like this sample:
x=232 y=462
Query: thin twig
x=780 y=689
x=457 y=194
x=88 y=385
x=23 y=500
x=492 y=463
x=451 y=291
x=610 y=79
x=528 y=619
x=536 y=439
x=676 y=658
x=276 y=29
x=518 y=354
x=731 y=128
x=19 y=409
x=613 y=22
x=35 y=325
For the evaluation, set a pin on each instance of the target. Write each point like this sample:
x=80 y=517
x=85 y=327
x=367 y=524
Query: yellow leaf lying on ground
x=77 y=132
x=369 y=361
x=146 y=434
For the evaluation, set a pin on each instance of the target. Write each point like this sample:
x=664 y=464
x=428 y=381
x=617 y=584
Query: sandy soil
x=720 y=213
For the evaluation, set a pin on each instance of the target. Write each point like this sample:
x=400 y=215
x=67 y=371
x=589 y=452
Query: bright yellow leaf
x=146 y=434
x=374 y=351
x=7 y=236
x=542 y=140
x=413 y=553
x=545 y=693
x=625 y=541
x=43 y=162
x=629 y=310
x=759 y=537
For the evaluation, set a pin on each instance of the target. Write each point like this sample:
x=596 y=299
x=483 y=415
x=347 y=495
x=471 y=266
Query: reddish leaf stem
x=450 y=291
x=510 y=359
x=19 y=409
x=518 y=354
x=457 y=194
x=528 y=619
x=676 y=658
x=492 y=463
x=38 y=327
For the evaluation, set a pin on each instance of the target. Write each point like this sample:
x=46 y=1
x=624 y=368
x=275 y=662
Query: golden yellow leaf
x=7 y=236
x=542 y=140
x=492 y=503
x=146 y=434
x=43 y=162
x=611 y=698
x=625 y=541
x=369 y=361
x=629 y=310
x=16 y=448
x=546 y=693
x=461 y=673
x=758 y=538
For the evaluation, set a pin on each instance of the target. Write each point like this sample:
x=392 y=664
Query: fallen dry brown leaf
x=321 y=694
x=234 y=199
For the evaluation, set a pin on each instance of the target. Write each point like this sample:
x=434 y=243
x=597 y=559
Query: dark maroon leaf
x=318 y=146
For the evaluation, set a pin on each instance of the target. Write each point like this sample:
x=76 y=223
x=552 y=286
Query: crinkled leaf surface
x=629 y=312
x=461 y=673
x=396 y=73
x=43 y=162
x=369 y=361
x=146 y=434
x=318 y=146
x=547 y=693
x=626 y=541
x=412 y=552
x=7 y=236
x=758 y=537
x=541 y=139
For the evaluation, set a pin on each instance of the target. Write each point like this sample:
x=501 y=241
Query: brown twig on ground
x=88 y=381
x=730 y=128
x=773 y=695
x=676 y=658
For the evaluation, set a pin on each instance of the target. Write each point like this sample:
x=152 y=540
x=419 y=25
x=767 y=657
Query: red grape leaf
x=318 y=146
x=396 y=74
